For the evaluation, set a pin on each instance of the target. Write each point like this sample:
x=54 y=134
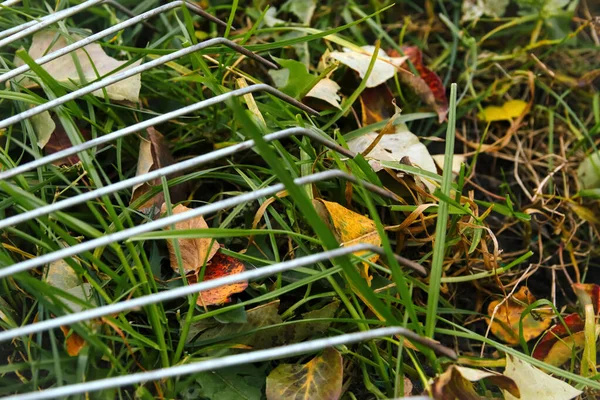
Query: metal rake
x=74 y=319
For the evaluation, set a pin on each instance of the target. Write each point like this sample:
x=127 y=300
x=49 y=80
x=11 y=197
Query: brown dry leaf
x=350 y=228
x=220 y=265
x=194 y=252
x=154 y=154
x=59 y=140
x=376 y=104
x=456 y=383
x=505 y=325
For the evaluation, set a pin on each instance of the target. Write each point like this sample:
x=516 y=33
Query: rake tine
x=144 y=67
x=228 y=361
x=146 y=124
x=109 y=31
x=173 y=219
x=46 y=21
x=176 y=293
x=168 y=170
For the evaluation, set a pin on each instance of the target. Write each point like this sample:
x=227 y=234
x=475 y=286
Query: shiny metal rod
x=49 y=20
x=173 y=219
x=136 y=70
x=173 y=294
x=151 y=122
x=171 y=169
x=224 y=362
x=113 y=29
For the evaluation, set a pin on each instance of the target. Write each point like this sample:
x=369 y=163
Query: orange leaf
x=220 y=266
x=194 y=252
x=456 y=383
x=505 y=325
x=74 y=342
x=428 y=85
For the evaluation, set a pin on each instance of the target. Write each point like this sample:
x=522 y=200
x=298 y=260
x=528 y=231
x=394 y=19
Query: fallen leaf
x=507 y=112
x=428 y=85
x=293 y=79
x=303 y=9
x=588 y=173
x=271 y=19
x=154 y=154
x=59 y=140
x=457 y=161
x=194 y=252
x=326 y=90
x=260 y=317
x=377 y=104
x=44 y=126
x=350 y=228
x=456 y=383
x=91 y=58
x=505 y=324
x=394 y=147
x=62 y=276
x=319 y=379
x=475 y=9
x=559 y=344
x=243 y=382
x=385 y=66
x=535 y=384
x=219 y=266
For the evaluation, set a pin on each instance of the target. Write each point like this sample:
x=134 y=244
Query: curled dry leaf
x=350 y=228
x=456 y=383
x=154 y=154
x=507 y=112
x=505 y=324
x=220 y=265
x=91 y=58
x=385 y=67
x=319 y=379
x=194 y=252
x=394 y=147
x=326 y=90
x=428 y=85
x=535 y=384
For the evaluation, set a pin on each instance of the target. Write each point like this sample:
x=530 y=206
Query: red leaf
x=558 y=331
x=428 y=85
x=220 y=266
x=376 y=104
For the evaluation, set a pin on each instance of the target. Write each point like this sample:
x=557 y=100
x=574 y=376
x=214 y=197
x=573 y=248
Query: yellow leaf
x=350 y=228
x=505 y=324
x=509 y=110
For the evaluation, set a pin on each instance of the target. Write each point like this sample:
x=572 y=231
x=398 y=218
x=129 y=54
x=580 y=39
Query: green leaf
x=319 y=379
x=242 y=382
x=294 y=79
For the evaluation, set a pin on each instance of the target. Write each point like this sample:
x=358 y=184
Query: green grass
x=489 y=63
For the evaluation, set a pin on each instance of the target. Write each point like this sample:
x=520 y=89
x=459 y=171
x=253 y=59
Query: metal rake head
x=125 y=235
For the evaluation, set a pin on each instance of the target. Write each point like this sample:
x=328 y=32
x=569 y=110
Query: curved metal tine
x=18 y=28
x=310 y=346
x=168 y=170
x=49 y=20
x=190 y=6
x=151 y=122
x=176 y=293
x=109 y=31
x=173 y=219
x=139 y=69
